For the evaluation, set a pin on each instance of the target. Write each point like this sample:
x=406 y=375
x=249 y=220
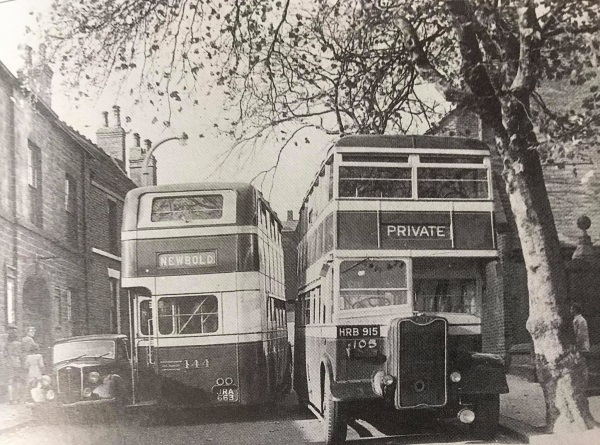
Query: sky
x=201 y=159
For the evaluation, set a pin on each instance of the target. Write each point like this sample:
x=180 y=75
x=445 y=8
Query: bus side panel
x=147 y=380
x=253 y=373
x=300 y=378
x=315 y=349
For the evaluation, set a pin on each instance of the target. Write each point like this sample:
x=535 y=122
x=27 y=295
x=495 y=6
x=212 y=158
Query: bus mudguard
x=346 y=391
x=482 y=374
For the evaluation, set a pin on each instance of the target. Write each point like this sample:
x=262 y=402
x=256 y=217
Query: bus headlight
x=87 y=392
x=380 y=380
x=455 y=377
x=93 y=377
x=50 y=394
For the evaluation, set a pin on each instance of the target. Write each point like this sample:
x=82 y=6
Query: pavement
x=522 y=415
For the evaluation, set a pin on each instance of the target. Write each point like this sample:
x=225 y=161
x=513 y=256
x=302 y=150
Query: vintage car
x=87 y=370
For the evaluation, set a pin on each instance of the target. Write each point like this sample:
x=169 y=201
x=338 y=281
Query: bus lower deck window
x=193 y=314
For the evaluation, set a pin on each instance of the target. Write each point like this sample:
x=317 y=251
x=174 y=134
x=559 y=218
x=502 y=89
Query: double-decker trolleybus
x=396 y=235
x=203 y=265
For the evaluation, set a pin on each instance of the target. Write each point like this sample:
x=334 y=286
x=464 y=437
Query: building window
x=11 y=304
x=69 y=304
x=113 y=227
x=71 y=210
x=34 y=179
x=58 y=301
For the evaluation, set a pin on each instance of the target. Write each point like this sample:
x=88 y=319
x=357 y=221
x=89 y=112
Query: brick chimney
x=137 y=154
x=111 y=136
x=38 y=75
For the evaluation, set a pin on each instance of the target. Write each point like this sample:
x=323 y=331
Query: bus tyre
x=487 y=415
x=334 y=416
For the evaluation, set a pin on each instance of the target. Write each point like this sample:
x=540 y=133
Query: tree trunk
x=560 y=369
x=504 y=107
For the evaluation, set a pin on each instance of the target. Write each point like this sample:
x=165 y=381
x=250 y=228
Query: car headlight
x=87 y=392
x=46 y=381
x=93 y=377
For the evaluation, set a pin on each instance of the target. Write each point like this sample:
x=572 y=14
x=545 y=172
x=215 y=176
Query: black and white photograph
x=287 y=222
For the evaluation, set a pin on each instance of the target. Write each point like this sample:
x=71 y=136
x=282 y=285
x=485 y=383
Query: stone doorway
x=37 y=310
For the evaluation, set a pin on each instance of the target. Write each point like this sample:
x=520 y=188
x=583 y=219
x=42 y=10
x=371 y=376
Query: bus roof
x=133 y=196
x=411 y=141
x=189 y=187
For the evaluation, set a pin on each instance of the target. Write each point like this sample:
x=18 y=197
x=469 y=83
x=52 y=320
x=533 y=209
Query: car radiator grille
x=419 y=361
x=69 y=384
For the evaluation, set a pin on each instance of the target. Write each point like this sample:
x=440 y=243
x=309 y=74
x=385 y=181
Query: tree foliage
x=317 y=63
x=339 y=65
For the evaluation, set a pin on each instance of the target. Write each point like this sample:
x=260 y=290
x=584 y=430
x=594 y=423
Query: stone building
x=61 y=203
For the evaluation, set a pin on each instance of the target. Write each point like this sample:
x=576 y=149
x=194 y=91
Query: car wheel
x=335 y=424
x=487 y=415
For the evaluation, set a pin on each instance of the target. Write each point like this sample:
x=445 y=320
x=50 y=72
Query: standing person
x=28 y=341
x=13 y=354
x=582 y=337
x=34 y=363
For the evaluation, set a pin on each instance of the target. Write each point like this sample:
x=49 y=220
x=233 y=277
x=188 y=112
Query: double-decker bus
x=396 y=236
x=203 y=266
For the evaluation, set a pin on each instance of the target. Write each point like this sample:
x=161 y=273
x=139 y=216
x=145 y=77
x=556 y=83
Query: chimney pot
x=136 y=139
x=117 y=112
x=290 y=215
x=148 y=143
x=105 y=118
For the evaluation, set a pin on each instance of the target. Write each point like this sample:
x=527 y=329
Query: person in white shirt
x=582 y=337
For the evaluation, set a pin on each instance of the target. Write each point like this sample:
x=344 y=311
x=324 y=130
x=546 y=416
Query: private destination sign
x=183 y=260
x=415 y=230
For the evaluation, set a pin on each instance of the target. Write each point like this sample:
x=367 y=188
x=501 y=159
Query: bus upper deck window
x=452 y=183
x=375 y=182
x=187 y=208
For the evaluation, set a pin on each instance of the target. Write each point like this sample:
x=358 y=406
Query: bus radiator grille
x=420 y=362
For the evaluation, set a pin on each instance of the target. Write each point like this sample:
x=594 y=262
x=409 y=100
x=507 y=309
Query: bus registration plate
x=226 y=393
x=358 y=331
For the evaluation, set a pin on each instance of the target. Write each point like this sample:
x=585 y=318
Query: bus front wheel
x=334 y=417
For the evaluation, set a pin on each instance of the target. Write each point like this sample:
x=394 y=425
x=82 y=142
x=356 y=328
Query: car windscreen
x=81 y=349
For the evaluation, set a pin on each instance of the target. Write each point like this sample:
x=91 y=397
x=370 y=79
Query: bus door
x=145 y=368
